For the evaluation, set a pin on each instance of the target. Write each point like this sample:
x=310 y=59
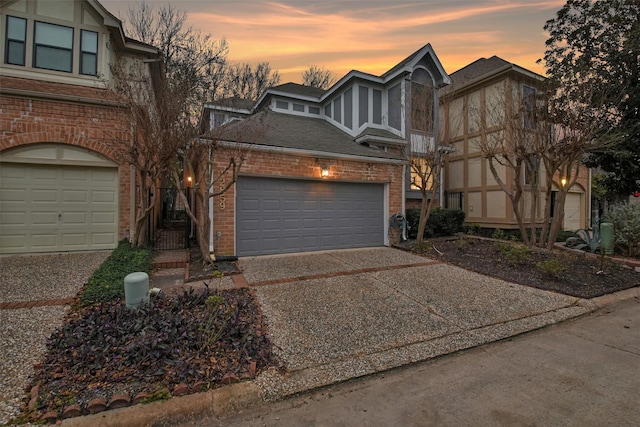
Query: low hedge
x=107 y=282
x=441 y=222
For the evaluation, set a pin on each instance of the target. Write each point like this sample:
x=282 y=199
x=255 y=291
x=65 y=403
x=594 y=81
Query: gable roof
x=270 y=129
x=115 y=27
x=484 y=68
x=424 y=53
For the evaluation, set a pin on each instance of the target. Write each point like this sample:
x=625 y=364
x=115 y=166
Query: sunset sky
x=369 y=36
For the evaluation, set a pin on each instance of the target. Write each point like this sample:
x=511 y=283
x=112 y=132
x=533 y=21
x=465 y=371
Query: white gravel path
x=24 y=332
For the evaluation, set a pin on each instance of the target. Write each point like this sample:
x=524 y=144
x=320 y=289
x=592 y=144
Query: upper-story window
x=88 y=52
x=422 y=101
x=53 y=47
x=50 y=46
x=16 y=40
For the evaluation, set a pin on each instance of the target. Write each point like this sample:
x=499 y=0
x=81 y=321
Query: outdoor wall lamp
x=563 y=181
x=325 y=172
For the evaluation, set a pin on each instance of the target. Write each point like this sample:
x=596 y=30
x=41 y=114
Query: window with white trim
x=16 y=40
x=53 y=47
x=88 y=52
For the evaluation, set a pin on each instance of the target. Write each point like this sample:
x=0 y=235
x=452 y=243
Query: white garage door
x=572 y=212
x=285 y=215
x=51 y=208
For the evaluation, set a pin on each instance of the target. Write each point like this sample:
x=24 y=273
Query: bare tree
x=158 y=126
x=249 y=82
x=582 y=123
x=426 y=156
x=512 y=139
x=165 y=108
x=187 y=53
x=316 y=76
x=536 y=131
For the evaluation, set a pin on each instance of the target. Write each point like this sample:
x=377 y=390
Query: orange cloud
x=373 y=36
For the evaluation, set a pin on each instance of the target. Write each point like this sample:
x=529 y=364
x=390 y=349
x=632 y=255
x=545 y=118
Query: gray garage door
x=284 y=215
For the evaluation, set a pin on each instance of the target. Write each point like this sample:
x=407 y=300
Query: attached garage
x=287 y=215
x=57 y=198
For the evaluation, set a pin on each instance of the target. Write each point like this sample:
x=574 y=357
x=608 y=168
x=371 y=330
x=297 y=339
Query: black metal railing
x=171 y=228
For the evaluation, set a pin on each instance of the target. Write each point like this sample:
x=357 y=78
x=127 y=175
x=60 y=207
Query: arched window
x=422 y=101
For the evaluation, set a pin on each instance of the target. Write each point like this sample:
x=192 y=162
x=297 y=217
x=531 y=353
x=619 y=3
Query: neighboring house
x=472 y=110
x=324 y=169
x=65 y=178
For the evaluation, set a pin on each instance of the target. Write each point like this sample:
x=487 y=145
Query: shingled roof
x=298 y=89
x=271 y=129
x=477 y=69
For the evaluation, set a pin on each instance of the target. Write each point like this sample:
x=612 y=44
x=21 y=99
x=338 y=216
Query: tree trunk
x=424 y=216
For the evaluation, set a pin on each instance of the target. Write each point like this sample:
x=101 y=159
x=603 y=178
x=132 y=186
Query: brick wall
x=90 y=122
x=289 y=166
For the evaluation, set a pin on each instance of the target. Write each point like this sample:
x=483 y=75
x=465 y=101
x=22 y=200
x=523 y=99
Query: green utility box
x=607 y=237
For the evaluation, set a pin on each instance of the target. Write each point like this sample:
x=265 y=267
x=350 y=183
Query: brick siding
x=291 y=166
x=92 y=122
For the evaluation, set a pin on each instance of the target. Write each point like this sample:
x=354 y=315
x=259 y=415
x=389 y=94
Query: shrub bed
x=107 y=282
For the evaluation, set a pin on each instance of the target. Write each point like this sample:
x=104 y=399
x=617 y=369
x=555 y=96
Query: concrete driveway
x=338 y=315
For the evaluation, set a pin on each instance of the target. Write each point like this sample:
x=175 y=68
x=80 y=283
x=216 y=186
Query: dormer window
x=15 y=47
x=53 y=47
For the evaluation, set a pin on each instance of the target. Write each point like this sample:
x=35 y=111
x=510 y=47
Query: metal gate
x=173 y=228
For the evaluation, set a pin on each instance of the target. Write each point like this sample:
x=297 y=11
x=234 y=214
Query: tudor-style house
x=66 y=182
x=474 y=110
x=323 y=169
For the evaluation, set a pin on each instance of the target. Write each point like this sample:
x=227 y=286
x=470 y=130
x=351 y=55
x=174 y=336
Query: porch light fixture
x=563 y=181
x=325 y=172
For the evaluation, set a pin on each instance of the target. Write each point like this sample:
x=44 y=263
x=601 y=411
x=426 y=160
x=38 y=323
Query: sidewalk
x=583 y=372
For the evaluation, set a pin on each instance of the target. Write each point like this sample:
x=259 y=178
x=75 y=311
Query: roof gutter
x=306 y=153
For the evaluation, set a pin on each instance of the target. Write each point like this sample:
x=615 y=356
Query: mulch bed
x=577 y=276
x=199 y=271
x=108 y=356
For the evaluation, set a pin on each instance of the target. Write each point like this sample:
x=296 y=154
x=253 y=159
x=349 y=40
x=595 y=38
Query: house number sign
x=222 y=203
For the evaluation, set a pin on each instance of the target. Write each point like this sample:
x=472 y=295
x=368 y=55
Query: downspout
x=210 y=201
x=589 y=204
x=441 y=187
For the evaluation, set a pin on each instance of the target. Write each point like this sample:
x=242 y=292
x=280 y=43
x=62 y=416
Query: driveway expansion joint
x=37 y=303
x=341 y=273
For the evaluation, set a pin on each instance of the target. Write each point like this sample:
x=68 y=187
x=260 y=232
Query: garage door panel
x=44 y=196
x=308 y=215
x=43 y=174
x=74 y=196
x=58 y=208
x=102 y=218
x=74 y=218
x=44 y=241
x=105 y=240
x=74 y=239
x=103 y=196
x=11 y=218
x=43 y=218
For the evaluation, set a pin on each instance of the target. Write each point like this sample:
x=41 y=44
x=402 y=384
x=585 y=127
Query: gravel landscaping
x=24 y=331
